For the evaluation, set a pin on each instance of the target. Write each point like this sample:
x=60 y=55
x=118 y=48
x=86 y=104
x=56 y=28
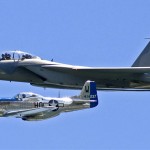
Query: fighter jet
x=24 y=67
x=32 y=107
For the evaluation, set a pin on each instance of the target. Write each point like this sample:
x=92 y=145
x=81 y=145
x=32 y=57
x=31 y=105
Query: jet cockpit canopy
x=17 y=55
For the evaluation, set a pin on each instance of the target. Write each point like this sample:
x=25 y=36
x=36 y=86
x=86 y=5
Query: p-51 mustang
x=32 y=107
x=24 y=67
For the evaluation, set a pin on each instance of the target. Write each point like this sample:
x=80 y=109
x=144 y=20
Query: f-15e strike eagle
x=33 y=107
x=24 y=67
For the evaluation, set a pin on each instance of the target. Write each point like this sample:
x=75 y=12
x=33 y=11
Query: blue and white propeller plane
x=32 y=107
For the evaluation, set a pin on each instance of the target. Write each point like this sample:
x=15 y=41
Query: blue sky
x=90 y=33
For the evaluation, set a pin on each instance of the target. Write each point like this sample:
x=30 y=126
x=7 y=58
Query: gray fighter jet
x=24 y=67
x=31 y=107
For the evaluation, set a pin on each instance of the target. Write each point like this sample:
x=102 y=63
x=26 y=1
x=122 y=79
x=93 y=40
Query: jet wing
x=98 y=74
x=97 y=69
x=68 y=76
x=93 y=71
x=127 y=78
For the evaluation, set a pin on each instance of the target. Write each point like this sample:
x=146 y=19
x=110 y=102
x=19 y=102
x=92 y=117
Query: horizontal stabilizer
x=84 y=101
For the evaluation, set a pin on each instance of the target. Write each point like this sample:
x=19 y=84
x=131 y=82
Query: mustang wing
x=29 y=112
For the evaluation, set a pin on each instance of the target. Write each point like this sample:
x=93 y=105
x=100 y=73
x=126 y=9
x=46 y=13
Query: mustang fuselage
x=30 y=106
x=38 y=109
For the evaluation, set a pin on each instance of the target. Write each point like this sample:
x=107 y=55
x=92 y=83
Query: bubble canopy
x=17 y=55
x=26 y=95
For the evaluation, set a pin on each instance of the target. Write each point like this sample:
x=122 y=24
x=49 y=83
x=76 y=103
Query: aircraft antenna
x=58 y=94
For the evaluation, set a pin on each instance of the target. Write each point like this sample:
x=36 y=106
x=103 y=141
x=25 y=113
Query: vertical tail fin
x=89 y=92
x=144 y=58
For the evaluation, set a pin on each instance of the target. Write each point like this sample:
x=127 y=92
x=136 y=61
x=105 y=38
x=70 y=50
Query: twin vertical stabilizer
x=144 y=58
